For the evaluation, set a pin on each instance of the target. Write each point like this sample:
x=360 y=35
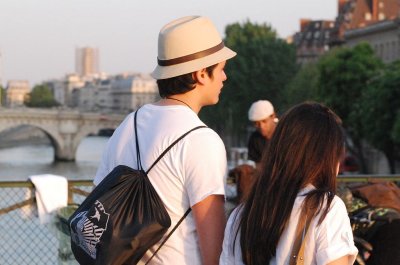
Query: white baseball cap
x=260 y=110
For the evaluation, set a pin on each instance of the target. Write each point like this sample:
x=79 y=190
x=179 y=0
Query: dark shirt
x=255 y=146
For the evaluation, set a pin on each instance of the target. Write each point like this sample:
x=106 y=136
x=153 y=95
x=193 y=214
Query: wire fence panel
x=24 y=240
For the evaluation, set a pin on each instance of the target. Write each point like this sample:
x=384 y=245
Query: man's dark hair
x=180 y=84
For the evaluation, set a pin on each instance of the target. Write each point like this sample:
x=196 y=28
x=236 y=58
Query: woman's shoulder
x=338 y=204
x=235 y=214
x=337 y=211
x=234 y=220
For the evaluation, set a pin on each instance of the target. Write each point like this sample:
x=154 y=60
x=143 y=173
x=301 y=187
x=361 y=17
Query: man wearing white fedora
x=190 y=75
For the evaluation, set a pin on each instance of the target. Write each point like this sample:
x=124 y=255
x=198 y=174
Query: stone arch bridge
x=65 y=128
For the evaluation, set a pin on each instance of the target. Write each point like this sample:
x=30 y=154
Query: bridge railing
x=367 y=178
x=24 y=240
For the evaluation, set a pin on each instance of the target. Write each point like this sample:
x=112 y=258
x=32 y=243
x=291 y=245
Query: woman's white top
x=330 y=240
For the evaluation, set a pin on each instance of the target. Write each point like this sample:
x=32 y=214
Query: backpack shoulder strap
x=154 y=163
x=172 y=145
x=169 y=235
x=165 y=151
x=139 y=164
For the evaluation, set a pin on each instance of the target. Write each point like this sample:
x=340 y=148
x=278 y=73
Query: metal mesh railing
x=23 y=239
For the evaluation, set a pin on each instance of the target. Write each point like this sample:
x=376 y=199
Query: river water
x=20 y=162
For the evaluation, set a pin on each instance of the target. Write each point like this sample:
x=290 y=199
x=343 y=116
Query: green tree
x=41 y=97
x=262 y=68
x=343 y=75
x=380 y=106
x=2 y=96
x=396 y=129
x=303 y=87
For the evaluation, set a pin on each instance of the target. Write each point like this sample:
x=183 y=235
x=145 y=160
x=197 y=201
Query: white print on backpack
x=87 y=228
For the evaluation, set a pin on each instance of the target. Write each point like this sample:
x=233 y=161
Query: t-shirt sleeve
x=205 y=165
x=118 y=149
x=334 y=237
x=103 y=169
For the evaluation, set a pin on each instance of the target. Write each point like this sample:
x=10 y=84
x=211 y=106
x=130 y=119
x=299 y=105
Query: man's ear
x=275 y=118
x=200 y=76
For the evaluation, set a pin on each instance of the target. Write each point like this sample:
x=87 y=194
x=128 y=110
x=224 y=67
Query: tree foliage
x=2 y=96
x=41 y=97
x=380 y=109
x=303 y=87
x=262 y=68
x=396 y=129
x=343 y=75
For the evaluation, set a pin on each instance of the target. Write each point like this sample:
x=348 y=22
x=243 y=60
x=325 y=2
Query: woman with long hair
x=297 y=178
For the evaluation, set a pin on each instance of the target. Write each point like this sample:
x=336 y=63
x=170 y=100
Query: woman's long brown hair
x=305 y=149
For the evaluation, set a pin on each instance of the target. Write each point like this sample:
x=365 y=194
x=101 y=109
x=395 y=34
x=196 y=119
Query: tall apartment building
x=86 y=61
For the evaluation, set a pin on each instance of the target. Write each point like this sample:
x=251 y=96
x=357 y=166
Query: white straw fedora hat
x=187 y=45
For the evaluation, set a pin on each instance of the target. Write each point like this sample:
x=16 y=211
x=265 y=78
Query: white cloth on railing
x=51 y=193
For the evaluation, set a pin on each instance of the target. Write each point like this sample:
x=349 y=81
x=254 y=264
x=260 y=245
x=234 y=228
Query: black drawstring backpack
x=122 y=217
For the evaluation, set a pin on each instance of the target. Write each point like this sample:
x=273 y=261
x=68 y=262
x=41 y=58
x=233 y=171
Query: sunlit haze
x=39 y=37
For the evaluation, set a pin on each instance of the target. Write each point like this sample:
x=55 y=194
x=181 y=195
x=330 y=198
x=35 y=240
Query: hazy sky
x=38 y=37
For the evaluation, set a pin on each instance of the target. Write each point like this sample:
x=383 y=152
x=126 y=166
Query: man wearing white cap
x=263 y=116
x=190 y=75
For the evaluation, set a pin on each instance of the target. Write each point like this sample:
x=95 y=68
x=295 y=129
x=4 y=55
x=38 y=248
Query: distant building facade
x=132 y=91
x=72 y=82
x=384 y=38
x=1 y=74
x=372 y=21
x=104 y=98
x=87 y=61
x=375 y=22
x=57 y=87
x=356 y=14
x=121 y=93
x=85 y=97
x=91 y=90
x=313 y=39
x=16 y=92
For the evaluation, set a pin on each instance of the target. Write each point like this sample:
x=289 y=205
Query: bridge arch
x=53 y=136
x=65 y=129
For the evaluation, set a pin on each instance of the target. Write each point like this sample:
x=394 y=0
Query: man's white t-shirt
x=330 y=240
x=192 y=170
